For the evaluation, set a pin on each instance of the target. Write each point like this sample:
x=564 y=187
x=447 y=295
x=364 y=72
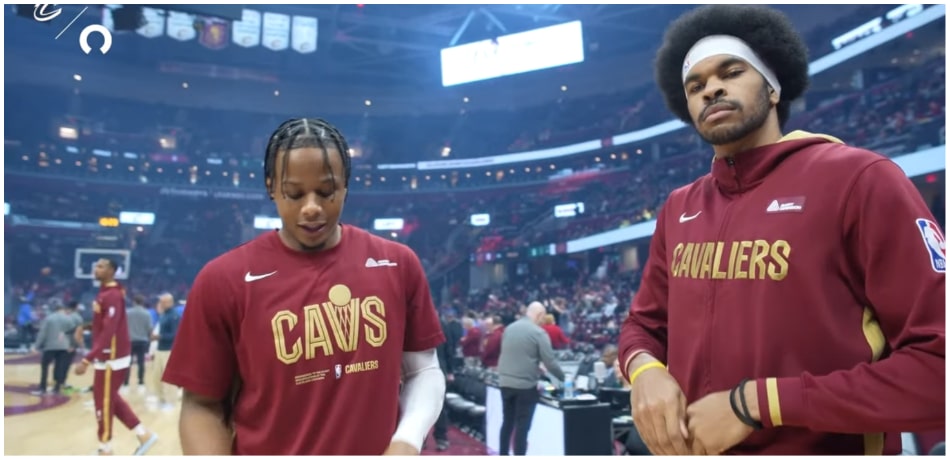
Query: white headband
x=727 y=44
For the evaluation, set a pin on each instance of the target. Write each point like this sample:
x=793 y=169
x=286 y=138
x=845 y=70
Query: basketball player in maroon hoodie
x=111 y=356
x=793 y=299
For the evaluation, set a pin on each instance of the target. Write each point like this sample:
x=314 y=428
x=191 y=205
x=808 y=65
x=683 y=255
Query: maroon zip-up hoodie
x=815 y=269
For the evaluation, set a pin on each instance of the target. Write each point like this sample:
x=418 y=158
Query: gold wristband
x=644 y=367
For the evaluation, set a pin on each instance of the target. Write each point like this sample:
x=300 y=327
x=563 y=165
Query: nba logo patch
x=339 y=370
x=935 y=243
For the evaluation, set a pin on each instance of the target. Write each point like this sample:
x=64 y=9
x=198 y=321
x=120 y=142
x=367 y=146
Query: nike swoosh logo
x=249 y=277
x=685 y=218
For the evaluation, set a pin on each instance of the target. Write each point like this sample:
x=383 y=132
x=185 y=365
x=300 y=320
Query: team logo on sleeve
x=935 y=243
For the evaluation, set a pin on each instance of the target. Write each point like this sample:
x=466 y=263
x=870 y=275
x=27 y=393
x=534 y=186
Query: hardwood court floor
x=66 y=425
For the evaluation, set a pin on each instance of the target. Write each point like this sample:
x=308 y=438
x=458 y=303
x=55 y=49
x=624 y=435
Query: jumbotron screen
x=522 y=52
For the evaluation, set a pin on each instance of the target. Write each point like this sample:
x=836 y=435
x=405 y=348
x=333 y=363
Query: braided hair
x=297 y=133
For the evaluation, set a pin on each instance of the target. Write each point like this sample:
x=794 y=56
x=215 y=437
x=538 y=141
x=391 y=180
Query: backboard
x=86 y=259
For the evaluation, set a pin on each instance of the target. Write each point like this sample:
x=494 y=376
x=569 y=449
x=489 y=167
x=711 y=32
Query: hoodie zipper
x=735 y=174
x=711 y=304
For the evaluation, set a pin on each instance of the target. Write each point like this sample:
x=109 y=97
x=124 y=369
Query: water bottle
x=569 y=387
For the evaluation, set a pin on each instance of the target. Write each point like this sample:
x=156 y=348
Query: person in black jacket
x=453 y=331
x=446 y=354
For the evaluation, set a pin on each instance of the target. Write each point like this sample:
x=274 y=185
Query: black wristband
x=735 y=405
x=746 y=416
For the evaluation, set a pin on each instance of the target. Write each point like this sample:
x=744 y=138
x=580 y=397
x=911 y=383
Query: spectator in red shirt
x=491 y=349
x=471 y=343
x=558 y=339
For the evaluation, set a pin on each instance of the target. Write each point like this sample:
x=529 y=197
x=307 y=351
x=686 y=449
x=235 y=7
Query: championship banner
x=181 y=26
x=214 y=33
x=154 y=23
x=247 y=32
x=276 y=31
x=304 y=34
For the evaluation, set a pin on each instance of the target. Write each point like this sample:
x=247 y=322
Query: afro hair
x=767 y=31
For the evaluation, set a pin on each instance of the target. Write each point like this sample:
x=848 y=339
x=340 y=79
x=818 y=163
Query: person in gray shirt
x=55 y=341
x=140 y=333
x=524 y=346
x=75 y=341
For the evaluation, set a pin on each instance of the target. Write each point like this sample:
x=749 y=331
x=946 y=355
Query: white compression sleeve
x=422 y=396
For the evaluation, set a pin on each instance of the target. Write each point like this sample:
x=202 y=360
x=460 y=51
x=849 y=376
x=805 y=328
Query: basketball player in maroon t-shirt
x=296 y=342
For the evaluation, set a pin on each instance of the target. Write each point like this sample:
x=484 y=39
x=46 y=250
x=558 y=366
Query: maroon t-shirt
x=471 y=343
x=492 y=349
x=316 y=340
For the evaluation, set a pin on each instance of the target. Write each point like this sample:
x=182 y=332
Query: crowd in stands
x=584 y=313
x=894 y=117
x=897 y=116
x=237 y=137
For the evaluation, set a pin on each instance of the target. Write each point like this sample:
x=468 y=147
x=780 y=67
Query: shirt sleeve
x=203 y=359
x=645 y=328
x=423 y=329
x=102 y=346
x=898 y=254
x=421 y=398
